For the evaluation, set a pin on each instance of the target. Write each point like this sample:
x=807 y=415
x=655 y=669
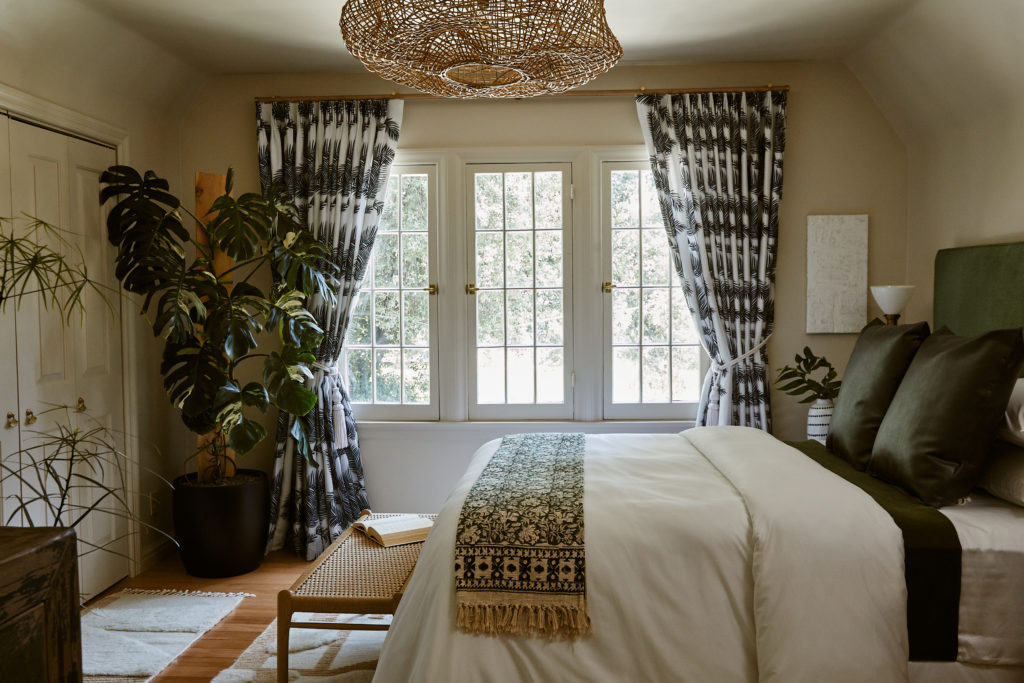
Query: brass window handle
x=431 y=290
x=30 y=417
x=607 y=287
x=12 y=420
x=81 y=405
x=471 y=288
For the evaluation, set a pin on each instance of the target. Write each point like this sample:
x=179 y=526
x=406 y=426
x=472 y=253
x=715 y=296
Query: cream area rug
x=133 y=635
x=314 y=655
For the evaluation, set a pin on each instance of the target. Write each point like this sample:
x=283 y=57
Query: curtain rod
x=569 y=93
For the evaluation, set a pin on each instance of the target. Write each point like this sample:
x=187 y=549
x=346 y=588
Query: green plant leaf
x=245 y=435
x=241 y=225
x=255 y=394
x=294 y=398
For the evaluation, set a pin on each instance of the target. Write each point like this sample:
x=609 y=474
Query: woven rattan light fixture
x=481 y=48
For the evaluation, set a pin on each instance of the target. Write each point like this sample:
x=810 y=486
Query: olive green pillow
x=935 y=438
x=873 y=374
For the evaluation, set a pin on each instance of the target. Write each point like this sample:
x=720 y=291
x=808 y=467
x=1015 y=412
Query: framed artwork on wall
x=837 y=273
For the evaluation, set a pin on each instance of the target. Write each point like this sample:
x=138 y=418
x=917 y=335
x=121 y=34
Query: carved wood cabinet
x=40 y=634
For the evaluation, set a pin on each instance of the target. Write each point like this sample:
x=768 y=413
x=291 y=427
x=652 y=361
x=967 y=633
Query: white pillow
x=1004 y=475
x=1012 y=429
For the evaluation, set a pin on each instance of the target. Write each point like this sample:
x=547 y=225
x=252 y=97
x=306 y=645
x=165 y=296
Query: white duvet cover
x=716 y=555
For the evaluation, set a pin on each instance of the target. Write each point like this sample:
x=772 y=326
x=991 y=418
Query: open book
x=397 y=530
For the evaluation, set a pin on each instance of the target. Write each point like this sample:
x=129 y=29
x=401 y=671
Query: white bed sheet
x=991 y=622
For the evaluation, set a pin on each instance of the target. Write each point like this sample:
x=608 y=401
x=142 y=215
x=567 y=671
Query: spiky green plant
x=67 y=473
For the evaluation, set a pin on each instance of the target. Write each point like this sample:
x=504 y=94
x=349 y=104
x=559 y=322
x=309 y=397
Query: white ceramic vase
x=818 y=419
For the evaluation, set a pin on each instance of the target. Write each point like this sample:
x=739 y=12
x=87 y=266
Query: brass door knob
x=30 y=417
x=12 y=420
x=81 y=405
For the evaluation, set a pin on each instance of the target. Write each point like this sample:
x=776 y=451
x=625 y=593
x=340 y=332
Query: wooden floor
x=221 y=645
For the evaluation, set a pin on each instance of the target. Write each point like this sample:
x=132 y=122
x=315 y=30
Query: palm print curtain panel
x=334 y=158
x=716 y=159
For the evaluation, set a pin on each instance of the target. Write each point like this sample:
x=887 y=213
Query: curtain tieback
x=340 y=432
x=722 y=367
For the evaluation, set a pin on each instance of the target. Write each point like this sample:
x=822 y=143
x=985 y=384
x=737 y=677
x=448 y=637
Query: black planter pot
x=222 y=528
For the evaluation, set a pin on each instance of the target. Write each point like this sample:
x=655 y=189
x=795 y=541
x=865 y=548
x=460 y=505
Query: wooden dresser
x=40 y=635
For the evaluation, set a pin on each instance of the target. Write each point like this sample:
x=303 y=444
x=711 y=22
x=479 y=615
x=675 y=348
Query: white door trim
x=32 y=109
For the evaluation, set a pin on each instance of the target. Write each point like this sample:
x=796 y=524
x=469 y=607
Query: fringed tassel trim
x=196 y=594
x=552 y=622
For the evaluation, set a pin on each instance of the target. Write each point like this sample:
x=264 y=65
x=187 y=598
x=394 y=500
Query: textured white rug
x=135 y=634
x=314 y=655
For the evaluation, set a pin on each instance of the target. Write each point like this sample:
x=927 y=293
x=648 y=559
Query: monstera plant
x=212 y=323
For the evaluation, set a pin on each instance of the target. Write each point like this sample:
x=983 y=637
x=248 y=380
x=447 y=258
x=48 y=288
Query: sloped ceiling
x=270 y=36
x=945 y=63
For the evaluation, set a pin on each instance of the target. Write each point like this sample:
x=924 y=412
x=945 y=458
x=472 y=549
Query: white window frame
x=629 y=411
x=432 y=410
x=520 y=411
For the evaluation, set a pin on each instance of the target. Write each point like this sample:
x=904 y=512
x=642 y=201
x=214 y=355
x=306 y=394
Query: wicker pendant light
x=481 y=48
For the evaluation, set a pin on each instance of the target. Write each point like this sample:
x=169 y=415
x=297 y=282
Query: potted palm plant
x=798 y=380
x=210 y=323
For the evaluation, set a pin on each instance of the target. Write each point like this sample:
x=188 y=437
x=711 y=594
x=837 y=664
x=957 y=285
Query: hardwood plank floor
x=221 y=645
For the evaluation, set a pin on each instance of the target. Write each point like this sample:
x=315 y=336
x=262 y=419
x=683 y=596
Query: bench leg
x=284 y=620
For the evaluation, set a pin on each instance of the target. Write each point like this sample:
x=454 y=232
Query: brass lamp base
x=891 y=318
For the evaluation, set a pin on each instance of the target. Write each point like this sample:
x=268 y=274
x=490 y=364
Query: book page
x=391 y=525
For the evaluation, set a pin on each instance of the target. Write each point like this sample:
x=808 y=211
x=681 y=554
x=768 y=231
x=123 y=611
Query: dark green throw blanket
x=932 y=558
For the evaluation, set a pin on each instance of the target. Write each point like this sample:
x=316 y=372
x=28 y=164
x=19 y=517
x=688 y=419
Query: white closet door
x=46 y=376
x=9 y=485
x=96 y=341
x=56 y=178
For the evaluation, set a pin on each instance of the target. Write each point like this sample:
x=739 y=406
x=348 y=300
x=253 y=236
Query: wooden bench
x=353 y=576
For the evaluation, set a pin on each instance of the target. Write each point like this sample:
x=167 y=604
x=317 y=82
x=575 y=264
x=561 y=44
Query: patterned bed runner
x=519 y=553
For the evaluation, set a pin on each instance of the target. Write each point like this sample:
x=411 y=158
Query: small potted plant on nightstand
x=797 y=380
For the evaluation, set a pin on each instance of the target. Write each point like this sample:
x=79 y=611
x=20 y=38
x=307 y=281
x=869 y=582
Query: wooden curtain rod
x=569 y=93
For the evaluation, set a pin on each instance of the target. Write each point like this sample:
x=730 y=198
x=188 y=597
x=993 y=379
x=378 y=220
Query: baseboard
x=154 y=556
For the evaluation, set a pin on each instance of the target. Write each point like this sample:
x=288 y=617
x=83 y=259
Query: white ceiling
x=271 y=36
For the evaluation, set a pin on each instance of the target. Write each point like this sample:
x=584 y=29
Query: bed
x=723 y=554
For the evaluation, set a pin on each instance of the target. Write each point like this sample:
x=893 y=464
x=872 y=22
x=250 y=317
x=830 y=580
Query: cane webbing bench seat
x=354 y=575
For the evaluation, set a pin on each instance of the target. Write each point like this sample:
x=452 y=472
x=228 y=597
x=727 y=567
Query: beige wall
x=841 y=157
x=948 y=75
x=64 y=53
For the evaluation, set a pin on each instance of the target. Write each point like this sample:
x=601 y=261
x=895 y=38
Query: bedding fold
x=827 y=562
x=932 y=558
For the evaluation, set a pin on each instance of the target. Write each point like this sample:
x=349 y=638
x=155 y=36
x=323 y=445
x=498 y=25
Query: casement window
x=519 y=326
x=524 y=329
x=653 y=358
x=391 y=342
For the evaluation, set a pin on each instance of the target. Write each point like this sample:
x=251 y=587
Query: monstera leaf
x=146 y=227
x=295 y=325
x=193 y=374
x=241 y=225
x=183 y=302
x=233 y=321
x=285 y=375
x=301 y=263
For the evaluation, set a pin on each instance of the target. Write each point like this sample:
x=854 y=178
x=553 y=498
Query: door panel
x=39 y=188
x=97 y=356
x=56 y=178
x=9 y=439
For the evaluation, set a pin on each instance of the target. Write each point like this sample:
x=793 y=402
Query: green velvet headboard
x=979 y=288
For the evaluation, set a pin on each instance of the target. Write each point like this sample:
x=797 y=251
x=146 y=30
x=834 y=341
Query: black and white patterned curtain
x=334 y=158
x=717 y=165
